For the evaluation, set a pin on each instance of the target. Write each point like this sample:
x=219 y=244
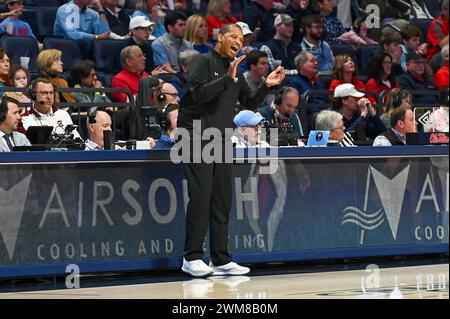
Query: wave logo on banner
x=391 y=192
x=12 y=205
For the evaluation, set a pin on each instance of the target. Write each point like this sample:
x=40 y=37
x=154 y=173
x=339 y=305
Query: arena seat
x=364 y=55
x=106 y=54
x=342 y=49
x=45 y=20
x=70 y=50
x=17 y=47
x=44 y=3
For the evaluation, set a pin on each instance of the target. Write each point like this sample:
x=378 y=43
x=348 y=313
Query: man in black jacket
x=214 y=86
x=402 y=122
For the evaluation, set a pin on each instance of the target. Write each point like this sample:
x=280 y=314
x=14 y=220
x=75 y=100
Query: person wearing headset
x=43 y=112
x=284 y=109
x=168 y=94
x=97 y=123
x=9 y=119
x=168 y=117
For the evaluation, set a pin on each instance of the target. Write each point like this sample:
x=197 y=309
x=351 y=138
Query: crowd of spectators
x=335 y=58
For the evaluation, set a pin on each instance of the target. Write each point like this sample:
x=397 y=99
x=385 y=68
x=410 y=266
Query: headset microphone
x=41 y=102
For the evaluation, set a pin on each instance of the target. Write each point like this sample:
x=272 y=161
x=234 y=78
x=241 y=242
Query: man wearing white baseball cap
x=140 y=33
x=357 y=112
x=248 y=130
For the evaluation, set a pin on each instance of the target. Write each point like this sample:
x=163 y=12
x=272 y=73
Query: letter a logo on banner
x=391 y=192
x=13 y=203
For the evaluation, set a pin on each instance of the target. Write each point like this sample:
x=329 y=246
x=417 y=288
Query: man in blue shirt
x=312 y=26
x=75 y=21
x=13 y=25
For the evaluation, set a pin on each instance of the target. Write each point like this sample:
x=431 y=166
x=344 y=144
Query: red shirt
x=437 y=31
x=215 y=23
x=441 y=77
x=374 y=86
x=126 y=80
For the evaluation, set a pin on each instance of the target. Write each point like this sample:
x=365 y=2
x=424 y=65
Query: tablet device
x=318 y=138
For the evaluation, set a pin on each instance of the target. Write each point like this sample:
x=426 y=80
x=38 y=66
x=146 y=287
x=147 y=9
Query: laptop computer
x=318 y=138
x=39 y=134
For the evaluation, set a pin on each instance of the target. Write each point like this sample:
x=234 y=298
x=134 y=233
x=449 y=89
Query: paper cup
x=9 y=28
x=215 y=33
x=24 y=61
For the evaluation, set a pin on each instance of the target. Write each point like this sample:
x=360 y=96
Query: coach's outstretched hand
x=276 y=77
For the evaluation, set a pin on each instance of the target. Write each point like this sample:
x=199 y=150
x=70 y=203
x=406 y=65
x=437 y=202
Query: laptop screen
x=39 y=134
x=318 y=138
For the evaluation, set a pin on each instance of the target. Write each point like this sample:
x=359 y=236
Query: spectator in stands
x=5 y=66
x=197 y=33
x=20 y=78
x=43 y=112
x=151 y=10
x=97 y=123
x=356 y=111
x=284 y=110
x=167 y=118
x=50 y=66
x=84 y=75
x=437 y=36
x=416 y=78
x=298 y=9
x=13 y=25
x=76 y=21
x=9 y=120
x=179 y=79
x=391 y=43
x=259 y=14
x=357 y=35
x=387 y=12
x=313 y=30
x=248 y=130
x=12 y=13
x=258 y=69
x=402 y=122
x=249 y=38
x=441 y=76
x=397 y=98
x=417 y=9
x=281 y=47
x=380 y=74
x=328 y=120
x=344 y=71
x=118 y=19
x=133 y=69
x=333 y=28
x=219 y=14
x=167 y=47
x=140 y=30
x=411 y=41
x=307 y=80
x=167 y=94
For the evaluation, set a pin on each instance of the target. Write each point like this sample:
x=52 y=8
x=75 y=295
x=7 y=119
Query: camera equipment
x=286 y=133
x=66 y=139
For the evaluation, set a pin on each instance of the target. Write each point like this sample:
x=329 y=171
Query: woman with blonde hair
x=219 y=14
x=50 y=66
x=197 y=33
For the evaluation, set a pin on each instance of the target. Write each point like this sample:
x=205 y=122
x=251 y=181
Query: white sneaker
x=230 y=269
x=196 y=268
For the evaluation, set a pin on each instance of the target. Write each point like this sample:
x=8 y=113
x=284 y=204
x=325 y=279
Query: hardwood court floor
x=422 y=281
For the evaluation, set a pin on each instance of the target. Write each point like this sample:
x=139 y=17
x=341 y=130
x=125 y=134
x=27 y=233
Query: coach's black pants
x=209 y=187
